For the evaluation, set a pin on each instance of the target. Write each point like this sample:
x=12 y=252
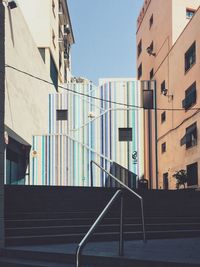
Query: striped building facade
x=63 y=155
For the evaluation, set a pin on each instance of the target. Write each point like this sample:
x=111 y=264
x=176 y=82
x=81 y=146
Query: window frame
x=163 y=117
x=139 y=48
x=191 y=183
x=151 y=74
x=123 y=136
x=163 y=147
x=187 y=103
x=190 y=55
x=191 y=11
x=59 y=115
x=151 y=21
x=140 y=71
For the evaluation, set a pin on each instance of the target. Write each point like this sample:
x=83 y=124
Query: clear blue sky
x=104 y=33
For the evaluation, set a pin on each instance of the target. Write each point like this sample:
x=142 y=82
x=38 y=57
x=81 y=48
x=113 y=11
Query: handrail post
x=78 y=254
x=143 y=226
x=91 y=174
x=121 y=235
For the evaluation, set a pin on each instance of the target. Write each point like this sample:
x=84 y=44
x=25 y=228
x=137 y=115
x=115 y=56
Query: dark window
x=190 y=13
x=140 y=71
x=42 y=53
x=163 y=117
x=151 y=21
x=151 y=74
x=190 y=57
x=162 y=87
x=54 y=73
x=125 y=134
x=151 y=46
x=62 y=115
x=148 y=101
x=192 y=173
x=190 y=97
x=165 y=181
x=163 y=147
x=139 y=48
x=17 y=162
x=190 y=138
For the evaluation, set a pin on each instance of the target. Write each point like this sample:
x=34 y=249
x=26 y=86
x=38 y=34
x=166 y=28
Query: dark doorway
x=165 y=181
x=192 y=173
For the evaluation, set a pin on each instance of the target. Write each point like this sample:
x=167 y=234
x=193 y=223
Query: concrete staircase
x=55 y=215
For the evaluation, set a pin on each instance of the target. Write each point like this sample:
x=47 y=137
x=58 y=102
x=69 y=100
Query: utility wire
x=94 y=97
x=70 y=90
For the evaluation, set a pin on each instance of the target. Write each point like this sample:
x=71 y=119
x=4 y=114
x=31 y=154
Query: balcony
x=61 y=13
x=61 y=41
x=66 y=55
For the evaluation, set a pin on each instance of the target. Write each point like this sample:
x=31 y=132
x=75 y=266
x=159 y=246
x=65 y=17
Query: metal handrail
x=125 y=186
x=84 y=241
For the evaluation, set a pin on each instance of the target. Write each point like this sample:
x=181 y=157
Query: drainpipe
x=156 y=134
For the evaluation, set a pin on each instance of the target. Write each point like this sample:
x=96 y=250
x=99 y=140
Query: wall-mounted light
x=164 y=91
x=150 y=51
x=91 y=115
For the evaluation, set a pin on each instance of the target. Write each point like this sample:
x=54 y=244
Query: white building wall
x=179 y=19
x=26 y=97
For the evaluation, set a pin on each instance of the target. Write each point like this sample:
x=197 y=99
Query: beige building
x=26 y=96
x=38 y=37
x=168 y=44
x=50 y=25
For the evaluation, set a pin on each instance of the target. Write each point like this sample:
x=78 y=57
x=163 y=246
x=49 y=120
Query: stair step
x=104 y=236
x=21 y=262
x=53 y=230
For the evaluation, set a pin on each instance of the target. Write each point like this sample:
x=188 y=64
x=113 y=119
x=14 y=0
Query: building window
x=190 y=57
x=165 y=181
x=62 y=115
x=151 y=21
x=139 y=48
x=151 y=46
x=190 y=138
x=54 y=73
x=162 y=87
x=42 y=53
x=125 y=134
x=190 y=97
x=163 y=117
x=17 y=162
x=192 y=174
x=190 y=13
x=151 y=74
x=163 y=147
x=140 y=71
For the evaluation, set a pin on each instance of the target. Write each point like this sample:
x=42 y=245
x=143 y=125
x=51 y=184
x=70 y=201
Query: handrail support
x=84 y=241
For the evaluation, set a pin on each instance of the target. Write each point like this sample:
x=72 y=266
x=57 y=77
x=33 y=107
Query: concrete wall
x=26 y=96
